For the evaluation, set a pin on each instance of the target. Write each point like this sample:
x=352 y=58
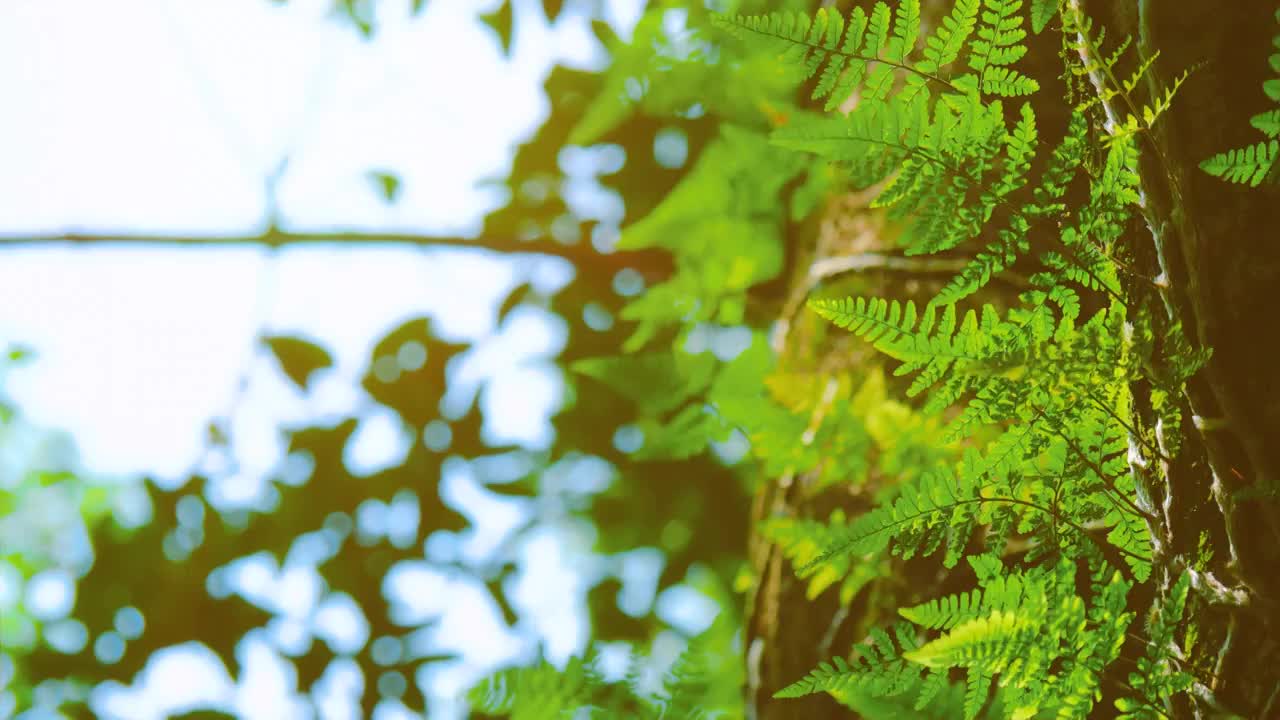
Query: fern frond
x=1084 y=257
x=906 y=31
x=937 y=508
x=1135 y=117
x=873 y=142
x=1247 y=166
x=988 y=263
x=1020 y=151
x=953 y=206
x=879 y=668
x=1027 y=631
x=803 y=542
x=925 y=343
x=998 y=592
x=937 y=152
x=945 y=612
x=976 y=689
x=1081 y=262
x=861 y=53
x=1142 y=117
x=1032 y=632
x=1157 y=676
x=704 y=681
x=951 y=357
x=1099 y=646
x=1063 y=166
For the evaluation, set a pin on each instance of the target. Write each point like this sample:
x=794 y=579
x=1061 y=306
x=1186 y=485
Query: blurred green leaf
x=298 y=358
x=387 y=184
x=502 y=20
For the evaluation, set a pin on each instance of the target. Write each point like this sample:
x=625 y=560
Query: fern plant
x=1016 y=448
x=947 y=155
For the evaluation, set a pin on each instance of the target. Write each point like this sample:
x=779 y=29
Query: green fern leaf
x=1042 y=11
x=898 y=331
x=906 y=31
x=945 y=612
x=1006 y=592
x=1064 y=165
x=927 y=512
x=1268 y=122
x=878 y=29
x=861 y=53
x=999 y=45
x=1020 y=151
x=879 y=668
x=1247 y=166
x=977 y=688
x=541 y=692
x=1157 y=677
x=933 y=684
x=983 y=643
x=944 y=46
x=872 y=142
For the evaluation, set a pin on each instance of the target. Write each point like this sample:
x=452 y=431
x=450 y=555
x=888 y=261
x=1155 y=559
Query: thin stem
x=655 y=265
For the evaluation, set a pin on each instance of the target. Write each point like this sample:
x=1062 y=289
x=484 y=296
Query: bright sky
x=167 y=116
x=158 y=115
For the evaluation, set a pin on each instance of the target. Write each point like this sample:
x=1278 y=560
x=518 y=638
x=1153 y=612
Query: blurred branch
x=654 y=265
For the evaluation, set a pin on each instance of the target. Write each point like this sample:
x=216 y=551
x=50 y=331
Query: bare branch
x=652 y=264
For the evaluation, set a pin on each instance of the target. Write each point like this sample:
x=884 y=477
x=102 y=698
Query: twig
x=654 y=265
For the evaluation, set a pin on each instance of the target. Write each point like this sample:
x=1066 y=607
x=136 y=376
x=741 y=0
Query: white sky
x=167 y=116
